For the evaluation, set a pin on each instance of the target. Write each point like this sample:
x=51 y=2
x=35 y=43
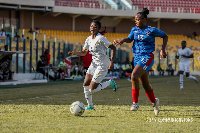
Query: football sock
x=88 y=95
x=151 y=96
x=135 y=95
x=101 y=86
x=181 y=80
x=191 y=77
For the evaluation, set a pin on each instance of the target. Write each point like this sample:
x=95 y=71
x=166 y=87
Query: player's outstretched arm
x=113 y=52
x=162 y=52
x=190 y=56
x=121 y=41
x=80 y=53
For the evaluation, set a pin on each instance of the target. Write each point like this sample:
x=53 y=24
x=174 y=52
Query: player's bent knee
x=134 y=77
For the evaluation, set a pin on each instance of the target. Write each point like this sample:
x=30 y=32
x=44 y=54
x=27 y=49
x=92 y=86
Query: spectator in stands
x=194 y=34
x=6 y=47
x=22 y=38
x=3 y=32
x=41 y=70
x=87 y=59
x=170 y=70
x=31 y=30
x=16 y=35
x=62 y=67
x=47 y=57
x=37 y=31
x=143 y=37
x=160 y=70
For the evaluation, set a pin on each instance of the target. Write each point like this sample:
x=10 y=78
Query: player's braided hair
x=144 y=13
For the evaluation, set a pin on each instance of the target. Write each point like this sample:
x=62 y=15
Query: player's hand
x=117 y=42
x=162 y=54
x=183 y=56
x=70 y=53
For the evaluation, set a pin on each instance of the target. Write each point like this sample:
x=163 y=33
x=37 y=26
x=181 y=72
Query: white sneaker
x=155 y=106
x=135 y=106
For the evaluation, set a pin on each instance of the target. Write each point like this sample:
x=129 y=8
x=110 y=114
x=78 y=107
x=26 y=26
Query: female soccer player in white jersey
x=97 y=45
x=184 y=64
x=143 y=47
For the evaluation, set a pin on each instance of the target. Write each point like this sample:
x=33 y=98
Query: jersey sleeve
x=158 y=33
x=189 y=51
x=131 y=35
x=86 y=45
x=105 y=42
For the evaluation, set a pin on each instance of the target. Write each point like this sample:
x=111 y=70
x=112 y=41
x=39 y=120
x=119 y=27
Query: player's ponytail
x=104 y=31
x=144 y=13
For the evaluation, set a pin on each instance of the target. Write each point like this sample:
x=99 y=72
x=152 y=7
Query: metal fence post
x=59 y=52
x=24 y=56
x=36 y=52
x=42 y=47
x=31 y=41
x=54 y=53
x=64 y=50
x=10 y=41
x=17 y=55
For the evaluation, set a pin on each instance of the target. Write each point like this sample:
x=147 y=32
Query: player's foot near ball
x=113 y=84
x=91 y=107
x=135 y=106
x=155 y=106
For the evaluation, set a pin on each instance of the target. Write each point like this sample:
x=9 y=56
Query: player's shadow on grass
x=92 y=116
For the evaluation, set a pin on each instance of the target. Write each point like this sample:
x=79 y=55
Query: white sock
x=101 y=86
x=181 y=80
x=192 y=77
x=88 y=95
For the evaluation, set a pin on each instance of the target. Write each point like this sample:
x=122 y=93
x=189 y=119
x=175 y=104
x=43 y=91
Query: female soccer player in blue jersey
x=143 y=47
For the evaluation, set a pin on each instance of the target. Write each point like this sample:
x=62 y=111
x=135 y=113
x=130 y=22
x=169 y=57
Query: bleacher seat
x=185 y=6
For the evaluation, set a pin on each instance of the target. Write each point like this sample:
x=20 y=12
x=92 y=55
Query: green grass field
x=44 y=108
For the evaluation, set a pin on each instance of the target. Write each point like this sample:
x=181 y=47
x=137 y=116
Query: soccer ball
x=77 y=108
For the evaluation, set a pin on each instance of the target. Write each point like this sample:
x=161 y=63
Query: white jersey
x=98 y=48
x=187 y=52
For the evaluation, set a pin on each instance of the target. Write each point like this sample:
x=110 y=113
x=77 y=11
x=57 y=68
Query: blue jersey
x=144 y=39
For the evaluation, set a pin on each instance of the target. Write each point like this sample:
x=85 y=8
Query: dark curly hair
x=144 y=13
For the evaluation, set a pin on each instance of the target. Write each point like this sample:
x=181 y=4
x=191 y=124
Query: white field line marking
x=80 y=92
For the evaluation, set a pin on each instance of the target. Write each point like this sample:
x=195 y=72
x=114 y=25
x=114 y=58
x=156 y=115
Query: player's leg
x=187 y=73
x=137 y=72
x=181 y=71
x=86 y=84
x=99 y=75
x=181 y=79
x=144 y=79
x=88 y=94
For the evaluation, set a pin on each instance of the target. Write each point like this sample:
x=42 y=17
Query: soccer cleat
x=155 y=106
x=113 y=84
x=181 y=88
x=91 y=107
x=135 y=106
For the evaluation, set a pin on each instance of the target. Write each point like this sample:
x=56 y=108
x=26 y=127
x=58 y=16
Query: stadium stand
x=176 y=6
x=79 y=3
x=75 y=37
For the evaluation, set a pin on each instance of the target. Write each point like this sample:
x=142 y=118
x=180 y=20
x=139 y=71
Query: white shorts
x=98 y=72
x=184 y=67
